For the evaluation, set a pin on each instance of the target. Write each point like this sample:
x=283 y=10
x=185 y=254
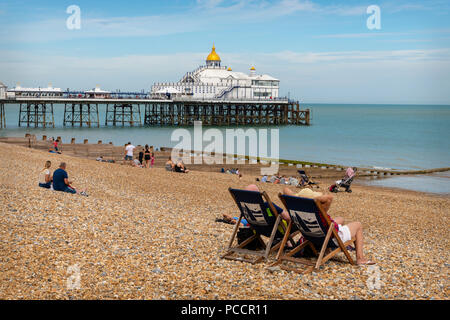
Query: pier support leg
x=36 y=114
x=124 y=114
x=81 y=114
x=2 y=116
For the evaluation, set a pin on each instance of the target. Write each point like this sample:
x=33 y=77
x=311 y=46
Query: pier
x=83 y=112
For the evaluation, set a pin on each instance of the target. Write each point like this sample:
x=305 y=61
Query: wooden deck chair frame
x=268 y=249
x=321 y=260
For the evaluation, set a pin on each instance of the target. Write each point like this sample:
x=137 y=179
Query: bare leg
x=356 y=231
x=288 y=191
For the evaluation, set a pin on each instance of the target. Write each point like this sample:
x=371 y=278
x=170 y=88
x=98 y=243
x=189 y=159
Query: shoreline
x=315 y=170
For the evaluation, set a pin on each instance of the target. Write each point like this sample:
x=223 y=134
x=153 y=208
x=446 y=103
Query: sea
x=363 y=135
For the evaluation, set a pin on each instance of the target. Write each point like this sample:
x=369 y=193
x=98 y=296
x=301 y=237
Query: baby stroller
x=305 y=180
x=344 y=183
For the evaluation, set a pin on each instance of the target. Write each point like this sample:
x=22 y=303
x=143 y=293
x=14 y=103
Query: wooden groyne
x=361 y=171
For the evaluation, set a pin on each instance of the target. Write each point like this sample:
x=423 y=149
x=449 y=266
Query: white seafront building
x=3 y=89
x=213 y=81
x=19 y=91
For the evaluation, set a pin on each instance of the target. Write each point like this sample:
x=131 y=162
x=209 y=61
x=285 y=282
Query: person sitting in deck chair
x=263 y=218
x=233 y=220
x=346 y=232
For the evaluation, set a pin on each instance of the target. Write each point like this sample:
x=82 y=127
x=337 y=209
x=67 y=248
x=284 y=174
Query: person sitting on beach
x=233 y=220
x=169 y=165
x=136 y=163
x=61 y=181
x=180 y=167
x=346 y=232
x=55 y=145
x=45 y=177
x=293 y=181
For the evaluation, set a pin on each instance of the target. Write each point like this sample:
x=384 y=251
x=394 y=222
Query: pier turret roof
x=213 y=56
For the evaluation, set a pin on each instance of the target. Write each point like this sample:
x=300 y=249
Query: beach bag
x=245 y=233
x=306 y=252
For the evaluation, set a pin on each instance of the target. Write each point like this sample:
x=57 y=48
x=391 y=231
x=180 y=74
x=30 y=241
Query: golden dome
x=229 y=69
x=252 y=68
x=213 y=56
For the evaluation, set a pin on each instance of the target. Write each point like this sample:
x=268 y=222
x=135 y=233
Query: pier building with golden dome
x=214 y=81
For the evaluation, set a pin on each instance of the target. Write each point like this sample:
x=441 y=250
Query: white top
x=129 y=148
x=42 y=175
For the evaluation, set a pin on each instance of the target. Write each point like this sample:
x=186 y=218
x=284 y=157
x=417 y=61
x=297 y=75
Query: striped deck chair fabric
x=262 y=217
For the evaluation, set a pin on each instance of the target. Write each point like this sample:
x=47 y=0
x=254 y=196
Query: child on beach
x=152 y=160
x=141 y=156
x=45 y=177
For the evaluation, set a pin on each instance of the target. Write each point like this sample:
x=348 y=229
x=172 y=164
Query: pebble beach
x=151 y=234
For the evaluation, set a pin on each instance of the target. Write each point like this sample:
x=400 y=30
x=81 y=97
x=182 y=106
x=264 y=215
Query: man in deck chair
x=346 y=232
x=263 y=217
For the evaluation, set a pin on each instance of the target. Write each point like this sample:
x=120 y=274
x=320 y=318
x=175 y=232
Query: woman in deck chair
x=346 y=232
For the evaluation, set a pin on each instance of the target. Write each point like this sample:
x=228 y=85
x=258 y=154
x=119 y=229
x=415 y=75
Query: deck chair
x=305 y=180
x=263 y=220
x=317 y=230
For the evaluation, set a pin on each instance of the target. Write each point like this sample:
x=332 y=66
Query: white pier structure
x=212 y=81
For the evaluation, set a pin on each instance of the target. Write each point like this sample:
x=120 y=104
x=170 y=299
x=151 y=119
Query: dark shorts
x=45 y=185
x=128 y=157
x=147 y=157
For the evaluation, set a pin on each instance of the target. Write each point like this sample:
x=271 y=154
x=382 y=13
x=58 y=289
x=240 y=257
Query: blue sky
x=322 y=51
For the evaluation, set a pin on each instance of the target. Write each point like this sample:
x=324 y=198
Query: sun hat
x=308 y=193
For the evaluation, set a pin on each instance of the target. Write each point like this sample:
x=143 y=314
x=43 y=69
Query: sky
x=322 y=51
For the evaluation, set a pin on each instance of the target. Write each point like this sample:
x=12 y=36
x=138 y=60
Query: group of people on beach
x=58 y=180
x=232 y=171
x=281 y=179
x=146 y=158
